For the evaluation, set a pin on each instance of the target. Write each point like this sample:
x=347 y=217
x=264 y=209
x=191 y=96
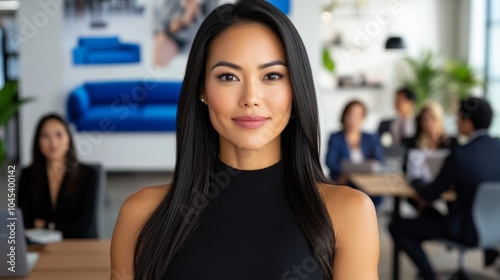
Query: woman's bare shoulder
x=342 y=196
x=144 y=201
x=344 y=204
x=356 y=232
x=135 y=211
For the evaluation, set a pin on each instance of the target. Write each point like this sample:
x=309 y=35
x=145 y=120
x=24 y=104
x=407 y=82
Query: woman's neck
x=431 y=140
x=352 y=132
x=434 y=136
x=353 y=137
x=56 y=165
x=250 y=159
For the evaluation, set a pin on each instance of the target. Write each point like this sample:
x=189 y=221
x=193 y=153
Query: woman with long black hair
x=248 y=199
x=56 y=190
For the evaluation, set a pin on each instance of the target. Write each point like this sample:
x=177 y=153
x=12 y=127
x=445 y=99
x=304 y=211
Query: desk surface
x=391 y=184
x=73 y=259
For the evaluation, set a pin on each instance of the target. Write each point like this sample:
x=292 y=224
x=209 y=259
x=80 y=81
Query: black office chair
x=485 y=212
x=100 y=196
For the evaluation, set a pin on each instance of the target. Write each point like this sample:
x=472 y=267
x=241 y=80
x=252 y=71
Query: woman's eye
x=273 y=76
x=227 y=77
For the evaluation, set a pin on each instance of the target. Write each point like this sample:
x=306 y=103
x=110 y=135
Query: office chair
x=100 y=196
x=485 y=213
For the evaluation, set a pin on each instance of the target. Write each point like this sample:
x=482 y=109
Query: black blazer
x=411 y=143
x=75 y=212
x=465 y=168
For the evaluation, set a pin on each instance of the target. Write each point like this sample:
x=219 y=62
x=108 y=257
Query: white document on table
x=425 y=164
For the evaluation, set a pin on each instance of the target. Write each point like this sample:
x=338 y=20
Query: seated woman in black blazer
x=430 y=133
x=56 y=191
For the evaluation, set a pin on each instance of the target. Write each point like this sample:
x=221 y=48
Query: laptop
x=435 y=161
x=394 y=151
x=368 y=166
x=15 y=260
x=424 y=164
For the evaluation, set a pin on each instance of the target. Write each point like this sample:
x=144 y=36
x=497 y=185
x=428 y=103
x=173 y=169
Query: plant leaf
x=328 y=62
x=7 y=94
x=2 y=153
x=9 y=111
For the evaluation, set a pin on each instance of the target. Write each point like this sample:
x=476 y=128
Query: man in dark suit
x=403 y=126
x=465 y=169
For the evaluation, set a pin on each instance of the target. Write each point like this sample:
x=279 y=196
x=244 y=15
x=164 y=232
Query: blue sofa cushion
x=78 y=103
x=158 y=117
x=107 y=118
x=164 y=92
x=109 y=92
x=99 y=43
x=105 y=50
x=111 y=56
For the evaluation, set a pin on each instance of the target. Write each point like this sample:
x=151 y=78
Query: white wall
x=39 y=34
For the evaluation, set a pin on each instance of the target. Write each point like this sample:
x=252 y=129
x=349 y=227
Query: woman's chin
x=252 y=144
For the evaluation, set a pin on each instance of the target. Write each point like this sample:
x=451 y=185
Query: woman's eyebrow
x=272 y=63
x=237 y=67
x=228 y=64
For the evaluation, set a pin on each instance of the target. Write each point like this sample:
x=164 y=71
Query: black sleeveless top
x=247 y=230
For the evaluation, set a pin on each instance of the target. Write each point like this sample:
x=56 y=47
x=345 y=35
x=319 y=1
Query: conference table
x=73 y=259
x=393 y=185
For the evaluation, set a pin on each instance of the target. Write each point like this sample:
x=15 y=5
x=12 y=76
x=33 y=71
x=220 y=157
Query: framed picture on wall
x=175 y=25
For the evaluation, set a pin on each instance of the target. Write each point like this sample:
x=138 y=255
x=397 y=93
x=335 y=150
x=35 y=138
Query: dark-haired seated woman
x=352 y=144
x=56 y=191
x=248 y=198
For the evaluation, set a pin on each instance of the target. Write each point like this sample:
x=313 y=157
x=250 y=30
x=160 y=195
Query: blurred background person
x=352 y=144
x=465 y=169
x=430 y=134
x=403 y=126
x=57 y=191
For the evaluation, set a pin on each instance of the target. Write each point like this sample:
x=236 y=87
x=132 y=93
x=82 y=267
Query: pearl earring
x=202 y=100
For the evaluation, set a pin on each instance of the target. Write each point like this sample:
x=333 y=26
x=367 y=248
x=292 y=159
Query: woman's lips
x=250 y=121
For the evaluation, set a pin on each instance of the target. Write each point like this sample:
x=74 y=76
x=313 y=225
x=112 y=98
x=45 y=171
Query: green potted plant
x=328 y=62
x=425 y=80
x=8 y=107
x=460 y=79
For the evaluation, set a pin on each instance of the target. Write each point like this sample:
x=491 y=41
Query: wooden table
x=396 y=186
x=389 y=184
x=73 y=259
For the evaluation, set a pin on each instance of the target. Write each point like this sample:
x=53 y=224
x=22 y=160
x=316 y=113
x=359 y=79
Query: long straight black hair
x=176 y=217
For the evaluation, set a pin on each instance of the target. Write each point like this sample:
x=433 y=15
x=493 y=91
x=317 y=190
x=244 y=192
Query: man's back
x=476 y=162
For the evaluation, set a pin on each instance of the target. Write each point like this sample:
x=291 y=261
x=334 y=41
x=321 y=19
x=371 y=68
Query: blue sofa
x=105 y=50
x=124 y=106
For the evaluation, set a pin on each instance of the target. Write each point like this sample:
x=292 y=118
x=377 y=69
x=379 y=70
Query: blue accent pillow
x=79 y=101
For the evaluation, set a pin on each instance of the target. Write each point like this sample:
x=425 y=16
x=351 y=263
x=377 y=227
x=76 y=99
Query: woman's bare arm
x=356 y=231
x=134 y=212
